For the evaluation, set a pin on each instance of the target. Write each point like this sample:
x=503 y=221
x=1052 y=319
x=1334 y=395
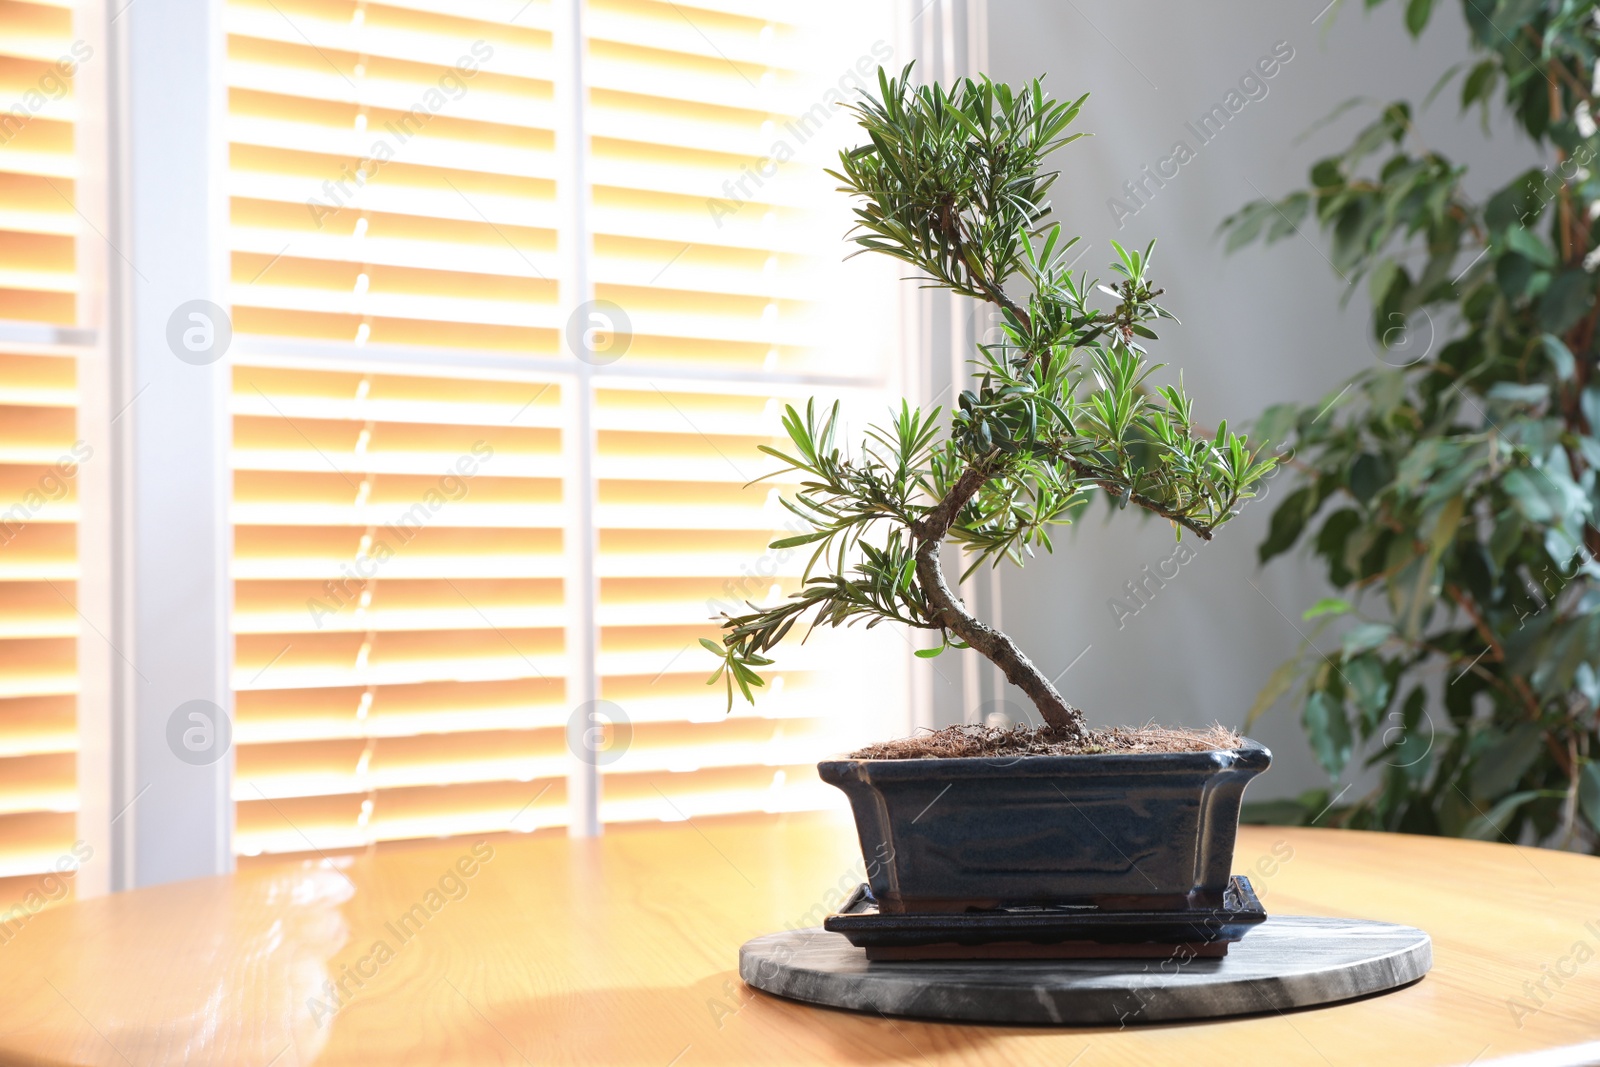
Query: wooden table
x=624 y=951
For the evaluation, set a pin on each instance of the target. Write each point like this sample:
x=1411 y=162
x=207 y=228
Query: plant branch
x=1063 y=719
x=992 y=290
x=1089 y=474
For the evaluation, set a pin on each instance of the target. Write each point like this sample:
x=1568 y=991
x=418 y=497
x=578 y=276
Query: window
x=38 y=451
x=504 y=352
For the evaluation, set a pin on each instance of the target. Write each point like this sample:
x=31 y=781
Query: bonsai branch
x=992 y=290
x=1155 y=507
x=1020 y=671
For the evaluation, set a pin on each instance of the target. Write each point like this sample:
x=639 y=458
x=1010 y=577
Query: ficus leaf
x=1491 y=825
x=1328 y=605
x=1279 y=683
x=1329 y=731
x=1365 y=638
x=1589 y=793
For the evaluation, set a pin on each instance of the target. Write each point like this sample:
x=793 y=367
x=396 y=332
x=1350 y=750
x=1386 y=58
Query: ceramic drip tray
x=1063 y=932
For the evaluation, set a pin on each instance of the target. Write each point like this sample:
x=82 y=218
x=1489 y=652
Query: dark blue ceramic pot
x=1135 y=831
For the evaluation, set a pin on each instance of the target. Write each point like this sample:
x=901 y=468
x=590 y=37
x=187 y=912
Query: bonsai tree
x=1451 y=494
x=953 y=184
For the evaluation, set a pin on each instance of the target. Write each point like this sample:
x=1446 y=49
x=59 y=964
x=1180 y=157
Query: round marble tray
x=1286 y=962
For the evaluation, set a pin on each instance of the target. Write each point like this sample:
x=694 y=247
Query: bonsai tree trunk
x=1063 y=719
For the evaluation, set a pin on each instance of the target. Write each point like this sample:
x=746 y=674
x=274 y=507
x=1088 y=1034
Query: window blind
x=398 y=607
x=398 y=538
x=410 y=412
x=713 y=228
x=38 y=453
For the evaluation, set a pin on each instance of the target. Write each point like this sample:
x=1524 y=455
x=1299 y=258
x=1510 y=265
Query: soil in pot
x=956 y=742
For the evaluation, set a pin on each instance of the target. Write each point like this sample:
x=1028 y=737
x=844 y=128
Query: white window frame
x=153 y=588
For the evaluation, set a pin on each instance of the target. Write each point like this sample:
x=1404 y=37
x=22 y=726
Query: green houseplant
x=953 y=184
x=1450 y=493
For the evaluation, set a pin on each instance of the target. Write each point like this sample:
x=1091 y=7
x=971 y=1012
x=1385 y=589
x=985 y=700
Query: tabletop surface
x=624 y=950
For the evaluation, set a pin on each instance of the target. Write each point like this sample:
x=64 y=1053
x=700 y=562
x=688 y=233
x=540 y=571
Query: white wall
x=1259 y=326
